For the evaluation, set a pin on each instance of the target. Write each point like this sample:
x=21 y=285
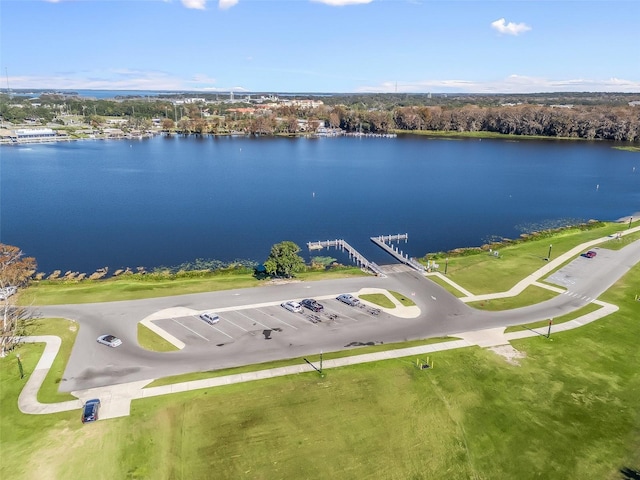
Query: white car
x=292 y=306
x=210 y=317
x=109 y=340
x=7 y=292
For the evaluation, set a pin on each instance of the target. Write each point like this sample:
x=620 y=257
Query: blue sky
x=474 y=46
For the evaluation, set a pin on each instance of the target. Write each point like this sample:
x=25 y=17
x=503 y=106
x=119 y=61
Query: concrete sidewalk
x=116 y=399
x=519 y=287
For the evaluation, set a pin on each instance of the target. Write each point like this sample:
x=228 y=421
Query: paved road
x=92 y=365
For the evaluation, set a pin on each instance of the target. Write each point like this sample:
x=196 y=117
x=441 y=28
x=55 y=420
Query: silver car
x=210 y=317
x=348 y=299
x=109 y=340
x=294 y=307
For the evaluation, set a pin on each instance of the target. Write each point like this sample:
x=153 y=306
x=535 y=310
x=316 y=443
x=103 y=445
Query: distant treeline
x=591 y=123
x=602 y=116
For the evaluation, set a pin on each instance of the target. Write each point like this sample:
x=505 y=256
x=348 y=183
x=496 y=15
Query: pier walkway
x=399 y=255
x=354 y=255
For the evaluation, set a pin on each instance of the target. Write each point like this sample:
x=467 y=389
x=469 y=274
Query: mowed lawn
x=571 y=409
x=133 y=287
x=483 y=273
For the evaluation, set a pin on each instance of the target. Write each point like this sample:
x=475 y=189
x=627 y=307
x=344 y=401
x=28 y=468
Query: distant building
x=189 y=101
x=303 y=103
x=34 y=133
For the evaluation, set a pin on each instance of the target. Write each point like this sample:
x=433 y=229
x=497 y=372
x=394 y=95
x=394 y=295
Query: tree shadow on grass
x=629 y=473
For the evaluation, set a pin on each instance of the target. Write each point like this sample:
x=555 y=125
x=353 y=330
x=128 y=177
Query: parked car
x=590 y=254
x=292 y=306
x=210 y=317
x=109 y=340
x=312 y=305
x=90 y=410
x=348 y=299
x=6 y=292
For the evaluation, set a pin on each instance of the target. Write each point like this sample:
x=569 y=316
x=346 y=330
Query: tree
x=284 y=260
x=15 y=271
x=168 y=124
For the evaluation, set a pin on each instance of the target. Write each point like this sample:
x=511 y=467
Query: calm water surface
x=163 y=201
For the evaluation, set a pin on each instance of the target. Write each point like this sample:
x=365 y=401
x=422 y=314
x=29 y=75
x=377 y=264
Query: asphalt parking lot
x=234 y=324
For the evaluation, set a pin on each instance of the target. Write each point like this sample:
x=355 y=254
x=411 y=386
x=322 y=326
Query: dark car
x=312 y=305
x=90 y=410
x=590 y=254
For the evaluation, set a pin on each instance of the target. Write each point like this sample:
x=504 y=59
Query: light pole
x=549 y=255
x=630 y=220
x=446 y=265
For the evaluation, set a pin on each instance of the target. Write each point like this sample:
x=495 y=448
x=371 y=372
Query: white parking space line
x=221 y=332
x=341 y=314
x=215 y=328
x=302 y=317
x=276 y=318
x=193 y=331
x=253 y=320
x=236 y=325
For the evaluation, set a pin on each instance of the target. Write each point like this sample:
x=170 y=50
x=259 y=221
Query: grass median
x=529 y=296
x=481 y=272
x=150 y=340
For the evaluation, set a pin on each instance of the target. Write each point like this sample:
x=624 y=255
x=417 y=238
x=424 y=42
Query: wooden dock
x=354 y=255
x=399 y=255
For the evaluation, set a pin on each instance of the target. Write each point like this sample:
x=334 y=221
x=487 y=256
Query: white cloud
x=128 y=79
x=199 y=80
x=224 y=4
x=511 y=84
x=340 y=3
x=197 y=4
x=509 y=28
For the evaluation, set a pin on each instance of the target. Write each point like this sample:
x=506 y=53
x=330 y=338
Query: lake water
x=84 y=205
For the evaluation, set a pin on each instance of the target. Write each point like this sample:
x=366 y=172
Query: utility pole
x=6 y=70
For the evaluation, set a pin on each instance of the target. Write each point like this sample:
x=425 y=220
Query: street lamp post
x=630 y=220
x=549 y=255
x=446 y=265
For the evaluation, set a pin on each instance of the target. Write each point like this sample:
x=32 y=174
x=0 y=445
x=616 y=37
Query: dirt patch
x=510 y=354
x=54 y=450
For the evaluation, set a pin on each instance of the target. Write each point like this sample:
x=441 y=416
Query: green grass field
x=134 y=287
x=569 y=410
x=482 y=273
